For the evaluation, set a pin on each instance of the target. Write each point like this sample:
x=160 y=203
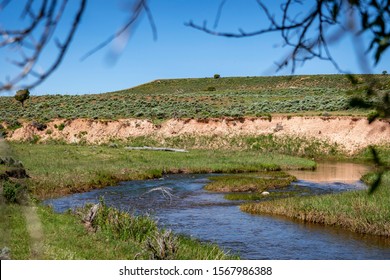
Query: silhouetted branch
x=138 y=7
x=40 y=19
x=308 y=33
x=35 y=37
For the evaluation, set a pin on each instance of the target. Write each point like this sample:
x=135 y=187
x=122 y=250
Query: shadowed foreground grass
x=356 y=210
x=62 y=169
x=118 y=236
x=66 y=238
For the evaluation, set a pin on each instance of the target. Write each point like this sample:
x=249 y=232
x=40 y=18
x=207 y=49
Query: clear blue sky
x=179 y=51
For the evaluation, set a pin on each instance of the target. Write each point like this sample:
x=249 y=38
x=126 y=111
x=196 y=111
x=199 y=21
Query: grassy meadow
x=62 y=169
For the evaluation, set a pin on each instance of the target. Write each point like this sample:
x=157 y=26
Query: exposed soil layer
x=351 y=133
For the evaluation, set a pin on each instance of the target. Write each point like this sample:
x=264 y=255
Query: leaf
x=374 y=186
x=375 y=156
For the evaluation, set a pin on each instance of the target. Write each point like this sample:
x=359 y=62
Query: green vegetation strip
x=356 y=211
x=253 y=182
x=199 y=98
x=63 y=169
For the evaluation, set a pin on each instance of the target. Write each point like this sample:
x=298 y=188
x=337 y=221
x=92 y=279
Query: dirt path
x=34 y=228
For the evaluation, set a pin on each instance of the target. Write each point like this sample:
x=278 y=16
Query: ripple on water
x=209 y=217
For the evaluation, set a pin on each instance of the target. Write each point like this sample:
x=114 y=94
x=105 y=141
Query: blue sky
x=179 y=51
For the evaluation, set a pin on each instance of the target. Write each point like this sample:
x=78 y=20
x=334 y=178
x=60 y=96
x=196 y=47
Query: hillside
x=199 y=98
x=314 y=110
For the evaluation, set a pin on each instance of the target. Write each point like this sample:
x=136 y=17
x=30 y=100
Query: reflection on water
x=332 y=172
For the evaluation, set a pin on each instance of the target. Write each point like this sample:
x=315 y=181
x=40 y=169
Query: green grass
x=118 y=236
x=279 y=193
x=13 y=231
x=366 y=155
x=287 y=145
x=63 y=169
x=253 y=182
x=356 y=210
x=187 y=98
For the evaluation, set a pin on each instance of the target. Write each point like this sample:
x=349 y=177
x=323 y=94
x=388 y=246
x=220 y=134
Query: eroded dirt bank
x=352 y=133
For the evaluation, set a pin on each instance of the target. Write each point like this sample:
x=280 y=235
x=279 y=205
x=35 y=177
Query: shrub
x=162 y=246
x=22 y=95
x=211 y=89
x=217 y=76
x=11 y=191
x=13 y=124
x=39 y=126
x=60 y=127
x=35 y=139
x=116 y=224
x=3 y=132
x=372 y=116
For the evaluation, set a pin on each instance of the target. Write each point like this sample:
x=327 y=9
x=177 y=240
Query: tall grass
x=116 y=224
x=253 y=182
x=355 y=210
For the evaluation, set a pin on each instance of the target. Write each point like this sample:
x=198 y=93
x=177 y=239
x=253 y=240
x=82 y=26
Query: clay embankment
x=352 y=133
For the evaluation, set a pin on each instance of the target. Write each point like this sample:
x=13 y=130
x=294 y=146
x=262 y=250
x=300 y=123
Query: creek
x=210 y=217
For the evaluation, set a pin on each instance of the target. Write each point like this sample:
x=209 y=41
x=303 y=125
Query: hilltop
x=200 y=98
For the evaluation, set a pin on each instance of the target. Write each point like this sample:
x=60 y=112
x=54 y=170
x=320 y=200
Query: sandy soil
x=353 y=133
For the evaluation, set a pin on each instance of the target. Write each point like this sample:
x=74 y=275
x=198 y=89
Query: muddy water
x=333 y=172
x=209 y=217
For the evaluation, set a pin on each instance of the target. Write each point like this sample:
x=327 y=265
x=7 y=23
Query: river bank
x=348 y=134
x=209 y=216
x=356 y=211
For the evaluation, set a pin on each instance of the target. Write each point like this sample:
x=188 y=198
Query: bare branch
x=151 y=20
x=43 y=24
x=138 y=7
x=307 y=33
x=219 y=13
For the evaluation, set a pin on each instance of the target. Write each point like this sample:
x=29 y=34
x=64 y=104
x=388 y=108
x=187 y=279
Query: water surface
x=209 y=217
x=343 y=172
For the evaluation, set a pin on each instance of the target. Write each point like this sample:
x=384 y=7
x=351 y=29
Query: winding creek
x=209 y=217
